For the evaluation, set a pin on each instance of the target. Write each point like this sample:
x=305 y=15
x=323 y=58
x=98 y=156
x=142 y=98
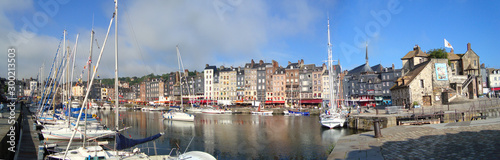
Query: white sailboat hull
x=96 y=152
x=216 y=111
x=67 y=132
x=262 y=112
x=178 y=116
x=332 y=121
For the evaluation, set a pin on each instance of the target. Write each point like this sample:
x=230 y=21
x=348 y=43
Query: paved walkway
x=5 y=126
x=462 y=140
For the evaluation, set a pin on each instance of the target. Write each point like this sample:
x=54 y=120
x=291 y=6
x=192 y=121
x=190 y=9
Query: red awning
x=495 y=89
x=312 y=101
x=275 y=102
x=207 y=101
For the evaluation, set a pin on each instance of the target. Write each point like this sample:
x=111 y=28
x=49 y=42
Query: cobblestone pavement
x=462 y=140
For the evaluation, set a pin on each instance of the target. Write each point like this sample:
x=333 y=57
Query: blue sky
x=232 y=32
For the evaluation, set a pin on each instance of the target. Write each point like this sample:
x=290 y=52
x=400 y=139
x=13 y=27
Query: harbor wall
x=365 y=122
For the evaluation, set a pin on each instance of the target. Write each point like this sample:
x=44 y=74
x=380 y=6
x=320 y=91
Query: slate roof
x=280 y=71
x=294 y=65
x=211 y=67
x=361 y=69
x=411 y=75
x=452 y=56
x=377 y=68
x=416 y=52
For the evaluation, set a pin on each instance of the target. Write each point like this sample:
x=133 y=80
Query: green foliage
x=415 y=103
x=438 y=53
x=192 y=73
x=164 y=76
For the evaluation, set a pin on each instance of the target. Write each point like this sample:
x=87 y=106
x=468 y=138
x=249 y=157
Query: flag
x=447 y=44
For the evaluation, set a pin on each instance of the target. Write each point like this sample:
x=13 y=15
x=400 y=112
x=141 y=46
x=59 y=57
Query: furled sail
x=123 y=142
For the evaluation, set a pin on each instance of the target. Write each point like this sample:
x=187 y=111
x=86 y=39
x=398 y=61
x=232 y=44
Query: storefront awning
x=311 y=101
x=275 y=102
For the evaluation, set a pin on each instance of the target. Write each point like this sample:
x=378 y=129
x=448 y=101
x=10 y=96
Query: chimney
x=393 y=67
x=468 y=47
x=301 y=61
x=206 y=65
x=289 y=62
x=252 y=63
x=261 y=62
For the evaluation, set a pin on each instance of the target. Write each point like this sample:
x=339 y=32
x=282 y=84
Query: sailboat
x=121 y=142
x=298 y=111
x=332 y=117
x=178 y=115
x=260 y=111
x=60 y=128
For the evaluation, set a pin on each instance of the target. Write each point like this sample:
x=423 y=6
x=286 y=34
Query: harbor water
x=231 y=136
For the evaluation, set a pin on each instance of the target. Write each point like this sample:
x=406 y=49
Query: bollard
x=41 y=152
x=376 y=128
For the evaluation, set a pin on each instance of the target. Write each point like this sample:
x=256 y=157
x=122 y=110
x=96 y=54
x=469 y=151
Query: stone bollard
x=376 y=128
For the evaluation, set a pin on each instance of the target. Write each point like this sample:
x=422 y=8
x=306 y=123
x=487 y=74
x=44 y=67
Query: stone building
x=250 y=82
x=423 y=84
x=227 y=83
x=270 y=69
x=317 y=81
x=494 y=81
x=199 y=89
x=209 y=74
x=240 y=85
x=142 y=89
x=413 y=58
x=292 y=82
x=388 y=76
x=305 y=79
x=261 y=80
x=278 y=86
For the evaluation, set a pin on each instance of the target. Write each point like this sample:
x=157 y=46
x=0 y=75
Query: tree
x=438 y=53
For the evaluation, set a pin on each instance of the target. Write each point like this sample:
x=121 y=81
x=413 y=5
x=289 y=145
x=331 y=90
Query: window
x=422 y=83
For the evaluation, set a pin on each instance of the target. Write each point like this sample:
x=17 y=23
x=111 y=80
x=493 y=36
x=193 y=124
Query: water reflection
x=233 y=136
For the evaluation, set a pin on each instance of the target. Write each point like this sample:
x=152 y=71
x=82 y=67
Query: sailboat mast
x=116 y=69
x=90 y=86
x=89 y=65
x=330 y=70
x=180 y=73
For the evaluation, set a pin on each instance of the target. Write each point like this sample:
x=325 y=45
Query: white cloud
x=204 y=36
